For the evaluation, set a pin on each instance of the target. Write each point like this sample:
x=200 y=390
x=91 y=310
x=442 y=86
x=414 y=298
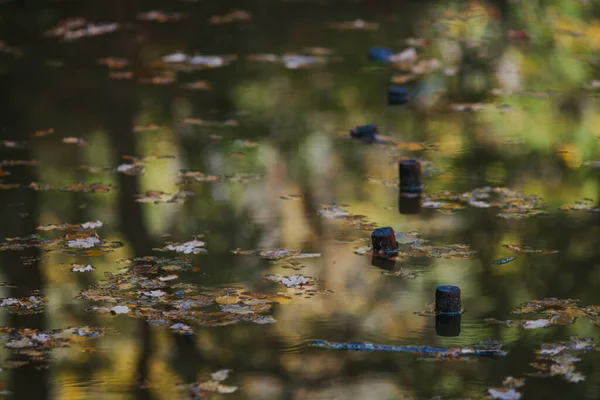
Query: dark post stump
x=384 y=241
x=410 y=176
x=382 y=262
x=447 y=325
x=409 y=203
x=397 y=96
x=365 y=133
x=447 y=300
x=380 y=54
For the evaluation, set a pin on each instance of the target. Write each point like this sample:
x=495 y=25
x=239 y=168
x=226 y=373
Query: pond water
x=154 y=162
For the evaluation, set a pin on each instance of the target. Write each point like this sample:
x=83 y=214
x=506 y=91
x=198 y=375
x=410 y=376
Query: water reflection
x=447 y=325
x=409 y=203
x=383 y=262
x=534 y=142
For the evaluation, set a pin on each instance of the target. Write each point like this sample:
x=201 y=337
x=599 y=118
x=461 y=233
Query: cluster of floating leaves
x=184 y=62
x=149 y=290
x=81 y=268
x=33 y=345
x=294 y=281
x=202 y=122
x=413 y=64
x=554 y=311
x=292 y=60
x=201 y=177
x=334 y=211
x=133 y=166
x=191 y=247
x=68 y=227
x=158 y=196
x=153 y=264
x=87 y=244
x=512 y=204
x=232 y=16
x=551 y=360
x=33 y=304
x=508 y=390
x=77 y=28
x=528 y=249
x=298 y=284
x=357 y=24
x=78 y=187
x=160 y=16
x=212 y=386
x=285 y=258
x=81 y=240
x=276 y=254
x=22 y=243
x=558 y=359
x=74 y=140
x=14 y=163
x=401 y=272
x=582 y=205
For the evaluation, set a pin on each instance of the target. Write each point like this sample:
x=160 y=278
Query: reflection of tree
x=21 y=217
x=119 y=108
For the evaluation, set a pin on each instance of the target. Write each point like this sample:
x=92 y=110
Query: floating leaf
x=114 y=62
x=82 y=268
x=357 y=24
x=537 y=306
x=526 y=249
x=79 y=187
x=582 y=205
x=191 y=247
x=74 y=140
x=211 y=386
x=160 y=16
x=43 y=132
x=535 y=324
x=402 y=272
x=293 y=281
x=77 y=28
x=198 y=85
x=248 y=298
x=233 y=16
x=182 y=328
x=84 y=243
x=24 y=305
x=119 y=310
x=276 y=254
x=558 y=359
x=504 y=394
x=92 y=225
x=162 y=197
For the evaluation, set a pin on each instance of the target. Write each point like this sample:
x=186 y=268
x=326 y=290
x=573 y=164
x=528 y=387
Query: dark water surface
x=276 y=137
